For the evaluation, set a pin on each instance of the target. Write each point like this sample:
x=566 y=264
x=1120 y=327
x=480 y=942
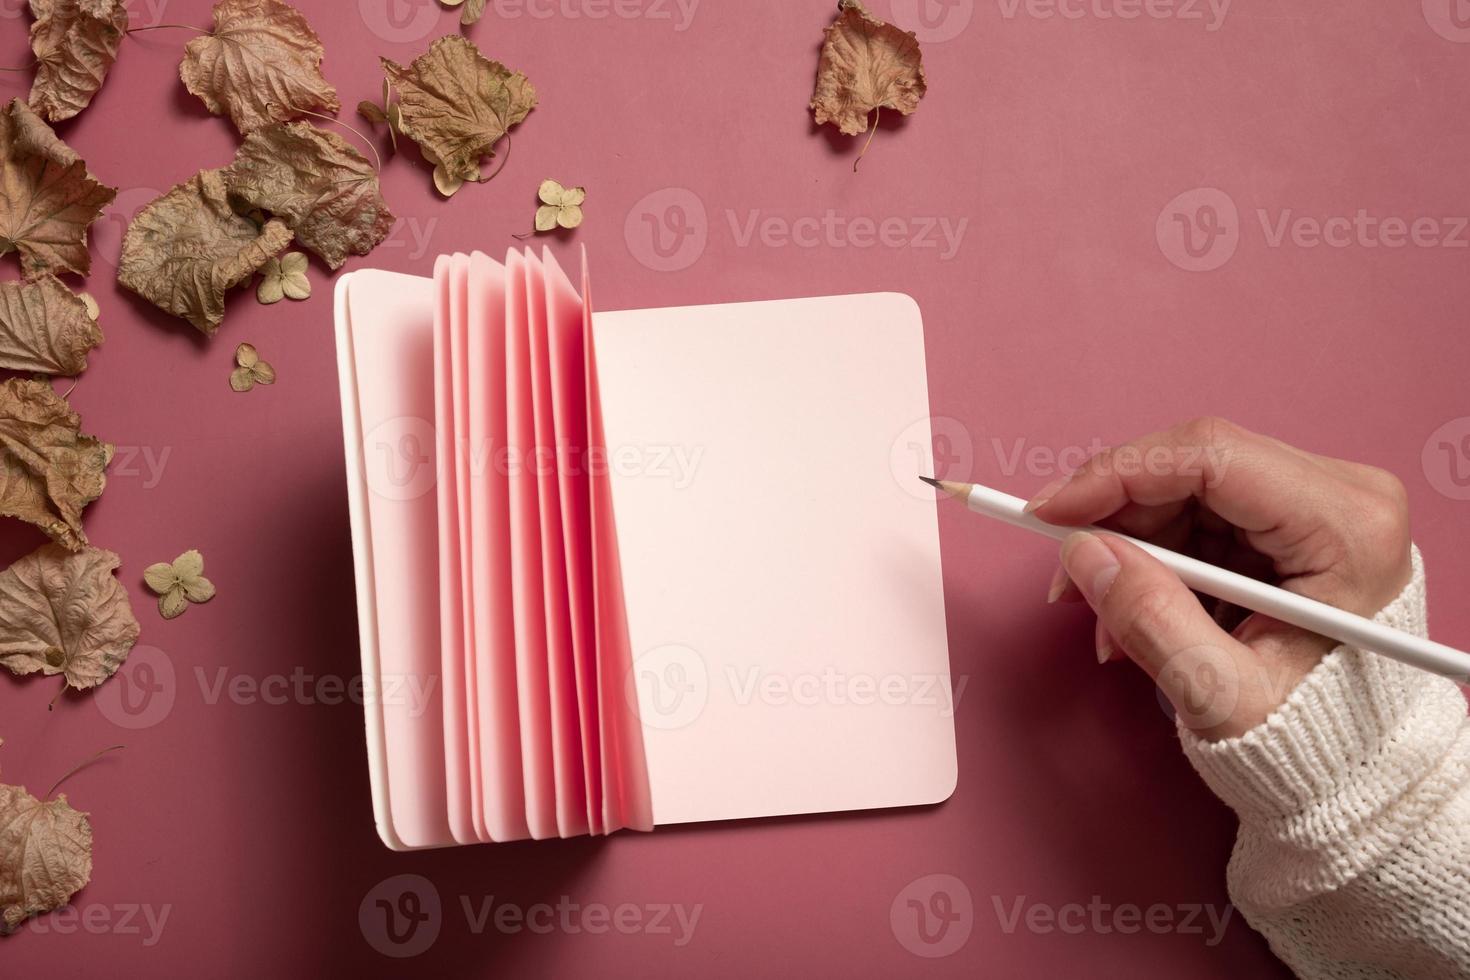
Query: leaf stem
x=23 y=67
x=503 y=161
x=163 y=27
x=346 y=126
x=79 y=766
x=877 y=114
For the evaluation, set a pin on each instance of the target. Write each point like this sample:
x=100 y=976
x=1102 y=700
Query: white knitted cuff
x=1353 y=759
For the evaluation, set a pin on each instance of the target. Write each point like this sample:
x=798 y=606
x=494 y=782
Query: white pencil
x=1288 y=607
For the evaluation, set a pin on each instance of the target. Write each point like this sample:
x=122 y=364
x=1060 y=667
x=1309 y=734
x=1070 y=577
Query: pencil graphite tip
x=948 y=488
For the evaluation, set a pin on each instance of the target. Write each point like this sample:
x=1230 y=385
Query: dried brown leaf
x=372 y=112
x=865 y=64
x=472 y=12
x=185 y=249
x=45 y=328
x=261 y=65
x=318 y=184
x=49 y=471
x=45 y=855
x=457 y=104
x=47 y=198
x=63 y=612
x=75 y=43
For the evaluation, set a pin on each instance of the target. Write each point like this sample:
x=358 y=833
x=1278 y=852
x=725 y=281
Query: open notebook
x=637 y=568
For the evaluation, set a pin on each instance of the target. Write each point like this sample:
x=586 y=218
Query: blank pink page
x=781 y=575
x=498 y=719
x=461 y=792
x=566 y=734
x=390 y=326
x=525 y=551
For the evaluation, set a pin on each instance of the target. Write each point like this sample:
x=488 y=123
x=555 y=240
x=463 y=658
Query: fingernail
x=1046 y=493
x=1105 y=648
x=1089 y=563
x=1058 y=585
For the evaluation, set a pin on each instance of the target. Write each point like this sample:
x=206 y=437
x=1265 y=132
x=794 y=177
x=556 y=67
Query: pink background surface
x=1059 y=320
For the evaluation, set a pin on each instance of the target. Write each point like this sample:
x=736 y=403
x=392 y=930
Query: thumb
x=1161 y=625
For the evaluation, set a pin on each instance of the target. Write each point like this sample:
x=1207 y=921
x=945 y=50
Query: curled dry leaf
x=47 y=198
x=560 y=206
x=326 y=191
x=49 y=471
x=388 y=113
x=185 y=249
x=63 y=612
x=45 y=328
x=283 y=278
x=75 y=43
x=456 y=104
x=250 y=370
x=261 y=65
x=865 y=65
x=45 y=855
x=180 y=581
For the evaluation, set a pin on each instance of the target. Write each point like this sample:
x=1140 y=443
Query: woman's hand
x=1324 y=528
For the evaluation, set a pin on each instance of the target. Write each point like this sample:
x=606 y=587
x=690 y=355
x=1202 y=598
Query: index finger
x=1254 y=482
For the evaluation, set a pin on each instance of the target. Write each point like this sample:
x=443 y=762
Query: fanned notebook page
x=596 y=557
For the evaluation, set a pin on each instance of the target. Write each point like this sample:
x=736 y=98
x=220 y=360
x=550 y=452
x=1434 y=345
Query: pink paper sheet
x=566 y=736
x=497 y=719
x=529 y=599
x=390 y=325
x=460 y=749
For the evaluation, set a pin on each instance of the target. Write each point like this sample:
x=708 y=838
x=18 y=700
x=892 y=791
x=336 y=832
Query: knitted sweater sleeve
x=1353 y=854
